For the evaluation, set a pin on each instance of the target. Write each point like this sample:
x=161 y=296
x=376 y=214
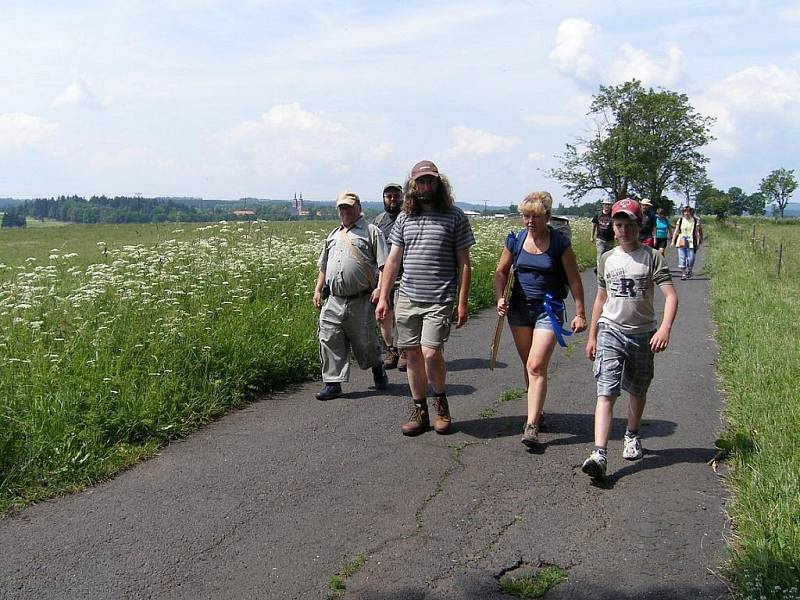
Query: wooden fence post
x=753 y=237
x=780 y=258
x=763 y=241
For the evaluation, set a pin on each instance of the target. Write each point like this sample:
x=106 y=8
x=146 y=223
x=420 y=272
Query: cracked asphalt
x=272 y=500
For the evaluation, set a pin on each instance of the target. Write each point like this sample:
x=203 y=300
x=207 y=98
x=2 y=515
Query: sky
x=268 y=98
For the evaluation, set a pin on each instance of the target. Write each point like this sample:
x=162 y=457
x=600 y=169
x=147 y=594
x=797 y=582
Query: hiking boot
x=329 y=391
x=443 y=420
x=380 y=377
x=632 y=449
x=419 y=421
x=402 y=362
x=392 y=356
x=530 y=435
x=595 y=465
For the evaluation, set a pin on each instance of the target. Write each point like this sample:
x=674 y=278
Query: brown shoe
x=443 y=420
x=419 y=421
x=392 y=357
x=402 y=361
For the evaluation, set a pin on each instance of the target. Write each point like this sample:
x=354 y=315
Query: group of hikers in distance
x=410 y=271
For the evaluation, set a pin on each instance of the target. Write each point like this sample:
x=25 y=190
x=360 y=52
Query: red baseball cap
x=629 y=207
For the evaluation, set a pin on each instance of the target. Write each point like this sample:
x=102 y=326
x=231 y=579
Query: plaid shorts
x=622 y=361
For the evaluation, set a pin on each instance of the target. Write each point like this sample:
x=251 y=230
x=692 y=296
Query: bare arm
x=388 y=275
x=500 y=279
x=597 y=310
x=660 y=339
x=570 y=264
x=464 y=282
x=317 y=300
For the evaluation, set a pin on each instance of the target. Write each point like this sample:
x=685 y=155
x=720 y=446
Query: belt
x=354 y=296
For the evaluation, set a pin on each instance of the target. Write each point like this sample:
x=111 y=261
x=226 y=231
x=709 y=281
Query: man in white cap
x=392 y=204
x=602 y=232
x=431 y=240
x=349 y=277
x=647 y=231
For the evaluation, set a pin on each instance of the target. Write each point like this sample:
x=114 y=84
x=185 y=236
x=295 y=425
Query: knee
x=431 y=354
x=536 y=369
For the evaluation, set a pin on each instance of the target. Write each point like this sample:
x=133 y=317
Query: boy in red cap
x=623 y=334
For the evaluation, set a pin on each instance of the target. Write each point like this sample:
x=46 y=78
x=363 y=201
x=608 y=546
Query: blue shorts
x=531 y=313
x=622 y=361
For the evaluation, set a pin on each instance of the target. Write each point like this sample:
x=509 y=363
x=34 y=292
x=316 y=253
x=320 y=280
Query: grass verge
x=533 y=586
x=756 y=314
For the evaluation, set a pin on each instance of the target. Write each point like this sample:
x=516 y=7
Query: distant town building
x=297 y=206
x=244 y=213
x=472 y=213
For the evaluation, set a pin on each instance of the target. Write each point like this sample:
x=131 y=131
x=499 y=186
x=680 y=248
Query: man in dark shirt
x=648 y=223
x=392 y=203
x=602 y=233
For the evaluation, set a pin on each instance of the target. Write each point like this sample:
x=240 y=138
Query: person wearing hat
x=392 y=203
x=431 y=240
x=647 y=230
x=349 y=277
x=624 y=333
x=602 y=233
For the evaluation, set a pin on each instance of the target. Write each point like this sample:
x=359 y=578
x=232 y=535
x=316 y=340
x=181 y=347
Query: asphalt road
x=272 y=500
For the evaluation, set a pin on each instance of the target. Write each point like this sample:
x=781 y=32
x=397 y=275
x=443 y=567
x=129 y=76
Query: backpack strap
x=519 y=241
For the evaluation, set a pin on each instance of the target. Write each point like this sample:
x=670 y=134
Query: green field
x=757 y=315
x=116 y=339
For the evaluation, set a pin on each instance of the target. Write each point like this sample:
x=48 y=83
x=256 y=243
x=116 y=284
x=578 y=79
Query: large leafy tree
x=642 y=141
x=778 y=187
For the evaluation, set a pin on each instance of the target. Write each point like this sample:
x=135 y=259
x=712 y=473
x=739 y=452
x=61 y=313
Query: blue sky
x=267 y=98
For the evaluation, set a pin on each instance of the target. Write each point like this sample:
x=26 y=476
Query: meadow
x=757 y=314
x=115 y=339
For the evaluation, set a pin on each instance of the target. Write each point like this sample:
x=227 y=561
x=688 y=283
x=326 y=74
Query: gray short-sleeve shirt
x=430 y=240
x=344 y=273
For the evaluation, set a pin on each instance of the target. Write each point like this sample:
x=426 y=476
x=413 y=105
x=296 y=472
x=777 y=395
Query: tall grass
x=107 y=353
x=757 y=316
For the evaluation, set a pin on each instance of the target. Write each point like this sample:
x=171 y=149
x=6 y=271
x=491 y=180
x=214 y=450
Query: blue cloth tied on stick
x=551 y=306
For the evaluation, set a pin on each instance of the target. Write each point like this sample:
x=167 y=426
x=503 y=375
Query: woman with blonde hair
x=545 y=265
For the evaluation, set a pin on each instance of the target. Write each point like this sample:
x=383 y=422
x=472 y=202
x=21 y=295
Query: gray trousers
x=602 y=247
x=346 y=325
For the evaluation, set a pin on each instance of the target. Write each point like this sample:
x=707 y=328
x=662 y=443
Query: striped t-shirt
x=429 y=240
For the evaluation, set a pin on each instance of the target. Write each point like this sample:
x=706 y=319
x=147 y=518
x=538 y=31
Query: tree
x=755 y=204
x=778 y=187
x=690 y=182
x=718 y=204
x=643 y=140
x=738 y=201
x=13 y=217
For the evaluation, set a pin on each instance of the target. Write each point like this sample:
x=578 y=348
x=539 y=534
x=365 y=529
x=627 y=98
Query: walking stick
x=498 y=330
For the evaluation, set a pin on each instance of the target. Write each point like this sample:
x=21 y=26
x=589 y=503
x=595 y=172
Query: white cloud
x=583 y=52
x=572 y=52
x=474 y=142
x=78 y=94
x=288 y=143
x=24 y=131
x=752 y=104
x=283 y=119
x=637 y=64
x=790 y=14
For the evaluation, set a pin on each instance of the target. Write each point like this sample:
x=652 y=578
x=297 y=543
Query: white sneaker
x=595 y=465
x=633 y=448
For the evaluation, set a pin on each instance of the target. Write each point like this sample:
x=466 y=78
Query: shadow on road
x=468 y=364
x=656 y=459
x=579 y=428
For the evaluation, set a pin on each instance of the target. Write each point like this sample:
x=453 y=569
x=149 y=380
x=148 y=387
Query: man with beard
x=392 y=203
x=431 y=240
